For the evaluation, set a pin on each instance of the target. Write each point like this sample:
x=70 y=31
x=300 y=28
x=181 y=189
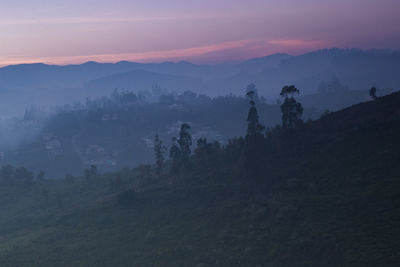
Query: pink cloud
x=227 y=51
x=297 y=43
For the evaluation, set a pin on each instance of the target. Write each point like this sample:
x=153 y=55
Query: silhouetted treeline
x=247 y=156
x=18 y=176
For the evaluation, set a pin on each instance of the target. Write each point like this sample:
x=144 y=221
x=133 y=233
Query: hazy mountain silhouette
x=137 y=79
x=44 y=84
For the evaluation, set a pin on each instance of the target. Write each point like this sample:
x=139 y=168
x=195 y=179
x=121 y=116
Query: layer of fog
x=47 y=86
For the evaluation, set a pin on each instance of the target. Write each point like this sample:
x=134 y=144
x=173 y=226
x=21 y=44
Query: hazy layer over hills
x=118 y=131
x=23 y=85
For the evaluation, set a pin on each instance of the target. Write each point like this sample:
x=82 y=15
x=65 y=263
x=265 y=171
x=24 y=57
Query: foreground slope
x=333 y=199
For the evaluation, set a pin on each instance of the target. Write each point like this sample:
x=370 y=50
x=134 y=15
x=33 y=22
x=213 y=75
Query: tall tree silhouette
x=174 y=151
x=254 y=127
x=291 y=109
x=185 y=141
x=175 y=154
x=180 y=150
x=254 y=137
x=159 y=151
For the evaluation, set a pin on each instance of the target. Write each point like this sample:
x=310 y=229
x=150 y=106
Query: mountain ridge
x=357 y=69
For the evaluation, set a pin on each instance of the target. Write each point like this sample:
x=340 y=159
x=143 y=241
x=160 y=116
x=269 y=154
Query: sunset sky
x=206 y=31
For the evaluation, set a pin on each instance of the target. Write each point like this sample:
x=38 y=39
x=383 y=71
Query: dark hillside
x=328 y=194
x=385 y=109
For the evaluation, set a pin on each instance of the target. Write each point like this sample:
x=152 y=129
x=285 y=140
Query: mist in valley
x=220 y=133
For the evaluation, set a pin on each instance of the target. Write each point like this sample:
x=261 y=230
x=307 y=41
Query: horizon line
x=179 y=60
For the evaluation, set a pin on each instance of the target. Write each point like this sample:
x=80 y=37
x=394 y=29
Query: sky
x=200 y=31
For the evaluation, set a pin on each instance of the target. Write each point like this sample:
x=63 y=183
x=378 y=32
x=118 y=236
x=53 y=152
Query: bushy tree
x=372 y=93
x=207 y=155
x=20 y=176
x=291 y=109
x=23 y=176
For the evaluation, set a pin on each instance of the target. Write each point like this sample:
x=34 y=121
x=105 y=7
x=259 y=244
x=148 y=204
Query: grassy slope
x=338 y=205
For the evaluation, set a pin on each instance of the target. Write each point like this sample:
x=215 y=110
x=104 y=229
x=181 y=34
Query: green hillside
x=324 y=194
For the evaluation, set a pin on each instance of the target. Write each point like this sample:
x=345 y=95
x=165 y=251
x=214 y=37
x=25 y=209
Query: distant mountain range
x=41 y=84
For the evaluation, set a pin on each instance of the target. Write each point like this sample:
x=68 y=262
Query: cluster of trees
x=179 y=152
x=20 y=176
x=115 y=125
x=118 y=98
x=251 y=150
x=185 y=97
x=332 y=86
x=128 y=99
x=258 y=137
x=253 y=145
